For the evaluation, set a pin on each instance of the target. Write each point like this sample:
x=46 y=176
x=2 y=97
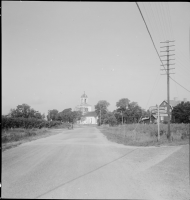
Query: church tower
x=84 y=106
x=84 y=99
x=88 y=116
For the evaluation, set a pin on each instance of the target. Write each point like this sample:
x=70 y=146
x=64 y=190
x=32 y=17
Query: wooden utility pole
x=168 y=80
x=158 y=121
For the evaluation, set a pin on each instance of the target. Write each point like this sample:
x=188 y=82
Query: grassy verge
x=14 y=137
x=146 y=135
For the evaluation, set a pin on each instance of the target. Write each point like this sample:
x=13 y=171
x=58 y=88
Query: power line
x=149 y=33
x=160 y=23
x=179 y=84
x=147 y=16
x=176 y=90
x=181 y=64
x=166 y=20
x=170 y=21
x=158 y=30
x=179 y=51
x=153 y=89
x=155 y=46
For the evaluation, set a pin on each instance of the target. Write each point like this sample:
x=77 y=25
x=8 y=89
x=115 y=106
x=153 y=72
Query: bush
x=27 y=123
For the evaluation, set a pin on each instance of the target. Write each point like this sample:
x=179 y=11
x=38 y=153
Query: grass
x=14 y=137
x=146 y=134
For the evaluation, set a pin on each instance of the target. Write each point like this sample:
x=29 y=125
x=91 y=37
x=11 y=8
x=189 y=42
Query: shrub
x=27 y=123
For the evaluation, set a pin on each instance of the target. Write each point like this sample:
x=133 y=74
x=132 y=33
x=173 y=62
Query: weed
x=146 y=134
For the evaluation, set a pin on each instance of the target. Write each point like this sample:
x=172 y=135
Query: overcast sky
x=54 y=51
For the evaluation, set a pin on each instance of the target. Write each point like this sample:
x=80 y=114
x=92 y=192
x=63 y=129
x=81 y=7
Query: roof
x=172 y=103
x=84 y=96
x=90 y=114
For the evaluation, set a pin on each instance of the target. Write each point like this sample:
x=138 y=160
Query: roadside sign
x=153 y=108
x=160 y=111
x=156 y=108
x=160 y=114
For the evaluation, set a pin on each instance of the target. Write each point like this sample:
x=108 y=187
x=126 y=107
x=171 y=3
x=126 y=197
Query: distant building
x=88 y=116
x=172 y=104
x=148 y=120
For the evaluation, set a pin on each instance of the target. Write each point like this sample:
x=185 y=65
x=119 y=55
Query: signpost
x=158 y=111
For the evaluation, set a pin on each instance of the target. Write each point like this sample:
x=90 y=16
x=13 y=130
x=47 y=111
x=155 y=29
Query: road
x=83 y=164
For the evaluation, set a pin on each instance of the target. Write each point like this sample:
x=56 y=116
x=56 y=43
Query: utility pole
x=158 y=121
x=168 y=79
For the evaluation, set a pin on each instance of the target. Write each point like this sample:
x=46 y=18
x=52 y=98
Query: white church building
x=88 y=116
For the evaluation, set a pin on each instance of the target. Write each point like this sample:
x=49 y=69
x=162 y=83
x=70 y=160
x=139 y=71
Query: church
x=88 y=116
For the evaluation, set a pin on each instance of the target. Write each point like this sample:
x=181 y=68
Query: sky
x=54 y=51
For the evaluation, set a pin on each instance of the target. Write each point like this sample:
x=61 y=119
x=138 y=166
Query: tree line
x=67 y=115
x=26 y=117
x=181 y=113
x=26 y=123
x=130 y=112
x=125 y=113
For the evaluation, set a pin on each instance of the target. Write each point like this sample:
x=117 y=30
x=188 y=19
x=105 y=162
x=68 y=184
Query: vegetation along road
x=82 y=163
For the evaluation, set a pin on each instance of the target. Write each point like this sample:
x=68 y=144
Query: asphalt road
x=82 y=164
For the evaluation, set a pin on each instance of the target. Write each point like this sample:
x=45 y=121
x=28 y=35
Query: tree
x=32 y=113
x=21 y=111
x=74 y=116
x=13 y=113
x=66 y=115
x=25 y=111
x=122 y=106
x=78 y=115
x=38 y=115
x=181 y=113
x=43 y=116
x=131 y=112
x=110 y=119
x=58 y=117
x=101 y=108
x=134 y=112
x=52 y=114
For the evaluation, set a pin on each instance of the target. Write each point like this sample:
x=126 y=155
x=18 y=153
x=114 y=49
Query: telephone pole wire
x=168 y=80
